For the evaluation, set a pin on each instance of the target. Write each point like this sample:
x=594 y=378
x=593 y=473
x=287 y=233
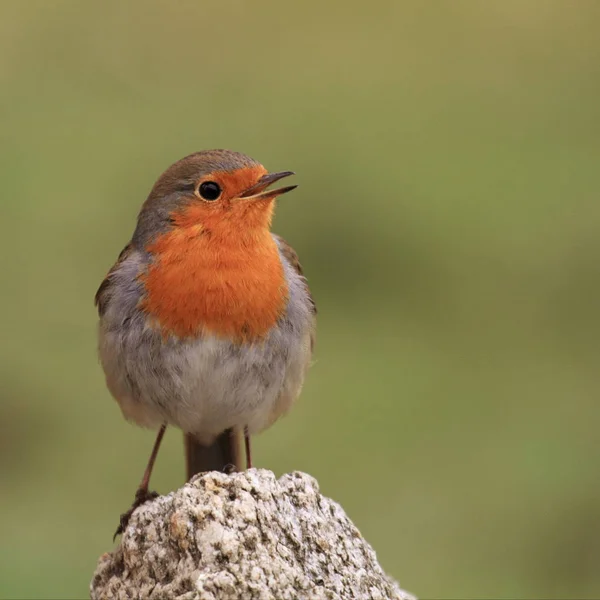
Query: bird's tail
x=222 y=455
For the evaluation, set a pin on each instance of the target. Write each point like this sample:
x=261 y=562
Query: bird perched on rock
x=206 y=320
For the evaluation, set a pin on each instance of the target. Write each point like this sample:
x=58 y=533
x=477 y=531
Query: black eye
x=209 y=190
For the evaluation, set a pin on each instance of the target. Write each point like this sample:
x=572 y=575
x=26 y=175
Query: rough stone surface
x=246 y=535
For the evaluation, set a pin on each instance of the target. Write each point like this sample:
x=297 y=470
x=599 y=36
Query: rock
x=245 y=535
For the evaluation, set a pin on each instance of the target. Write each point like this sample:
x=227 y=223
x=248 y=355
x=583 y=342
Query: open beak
x=259 y=190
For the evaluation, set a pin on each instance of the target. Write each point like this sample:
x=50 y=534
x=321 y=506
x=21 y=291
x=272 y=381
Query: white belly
x=204 y=386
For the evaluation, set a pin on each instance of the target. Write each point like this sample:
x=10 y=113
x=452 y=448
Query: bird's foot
x=141 y=497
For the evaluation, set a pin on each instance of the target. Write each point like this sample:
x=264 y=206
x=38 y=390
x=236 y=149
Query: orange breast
x=198 y=285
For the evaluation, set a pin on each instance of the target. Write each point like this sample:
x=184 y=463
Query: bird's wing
x=290 y=254
x=103 y=293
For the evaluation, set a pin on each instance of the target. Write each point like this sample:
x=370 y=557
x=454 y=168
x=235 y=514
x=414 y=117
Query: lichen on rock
x=245 y=535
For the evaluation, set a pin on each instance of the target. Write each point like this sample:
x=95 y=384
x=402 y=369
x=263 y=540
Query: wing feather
x=292 y=257
x=104 y=291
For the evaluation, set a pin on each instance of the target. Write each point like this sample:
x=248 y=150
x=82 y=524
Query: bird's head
x=217 y=192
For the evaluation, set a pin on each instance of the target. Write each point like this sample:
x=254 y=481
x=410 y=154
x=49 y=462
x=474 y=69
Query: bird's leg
x=143 y=487
x=142 y=494
x=247 y=445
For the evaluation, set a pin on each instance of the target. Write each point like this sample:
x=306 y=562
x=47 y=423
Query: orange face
x=218 y=269
x=228 y=213
x=233 y=202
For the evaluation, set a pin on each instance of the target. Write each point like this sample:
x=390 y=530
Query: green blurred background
x=448 y=156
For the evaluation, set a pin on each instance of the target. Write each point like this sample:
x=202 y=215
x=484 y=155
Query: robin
x=206 y=319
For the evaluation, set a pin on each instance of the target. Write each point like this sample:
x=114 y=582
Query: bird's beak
x=259 y=190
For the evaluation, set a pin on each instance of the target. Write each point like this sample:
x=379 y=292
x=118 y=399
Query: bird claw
x=141 y=497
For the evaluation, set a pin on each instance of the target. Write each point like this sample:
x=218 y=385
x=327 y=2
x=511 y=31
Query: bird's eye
x=209 y=190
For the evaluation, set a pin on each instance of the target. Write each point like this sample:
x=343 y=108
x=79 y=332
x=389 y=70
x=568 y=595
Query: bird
x=206 y=320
